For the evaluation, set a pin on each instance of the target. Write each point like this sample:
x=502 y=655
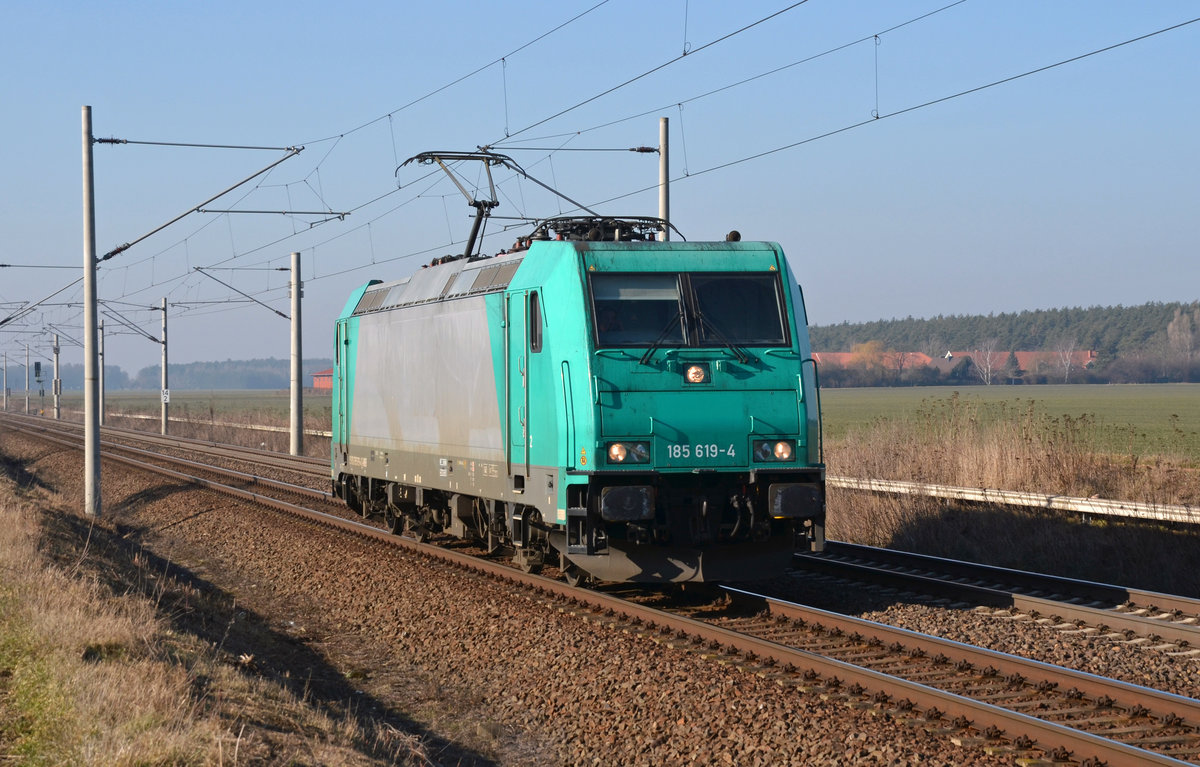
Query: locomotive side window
x=637 y=309
x=535 y=322
x=743 y=309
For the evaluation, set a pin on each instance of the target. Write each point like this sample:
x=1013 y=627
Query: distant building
x=1037 y=363
x=892 y=360
x=323 y=380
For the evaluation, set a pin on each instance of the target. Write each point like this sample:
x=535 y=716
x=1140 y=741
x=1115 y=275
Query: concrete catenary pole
x=91 y=381
x=297 y=417
x=100 y=340
x=26 y=379
x=6 y=382
x=57 y=384
x=664 y=178
x=166 y=391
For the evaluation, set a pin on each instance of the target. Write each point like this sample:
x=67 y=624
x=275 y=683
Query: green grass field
x=273 y=403
x=1136 y=419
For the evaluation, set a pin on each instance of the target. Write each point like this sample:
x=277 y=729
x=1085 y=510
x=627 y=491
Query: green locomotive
x=622 y=408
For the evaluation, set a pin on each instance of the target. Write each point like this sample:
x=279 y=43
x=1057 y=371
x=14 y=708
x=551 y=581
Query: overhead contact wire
x=912 y=108
x=649 y=72
x=467 y=76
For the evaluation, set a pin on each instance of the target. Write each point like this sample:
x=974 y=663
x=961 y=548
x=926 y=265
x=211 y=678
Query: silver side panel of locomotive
x=425 y=382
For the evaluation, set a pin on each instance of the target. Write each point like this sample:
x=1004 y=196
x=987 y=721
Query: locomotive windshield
x=637 y=309
x=688 y=309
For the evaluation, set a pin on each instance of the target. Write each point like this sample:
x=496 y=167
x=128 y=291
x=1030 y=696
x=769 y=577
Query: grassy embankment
x=94 y=669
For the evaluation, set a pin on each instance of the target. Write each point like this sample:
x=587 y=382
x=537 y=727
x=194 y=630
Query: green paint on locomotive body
x=345 y=356
x=582 y=395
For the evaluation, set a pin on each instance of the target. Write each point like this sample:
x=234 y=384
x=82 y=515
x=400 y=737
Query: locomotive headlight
x=773 y=450
x=628 y=452
x=696 y=374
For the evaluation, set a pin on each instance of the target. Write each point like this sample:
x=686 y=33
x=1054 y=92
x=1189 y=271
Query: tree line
x=1156 y=342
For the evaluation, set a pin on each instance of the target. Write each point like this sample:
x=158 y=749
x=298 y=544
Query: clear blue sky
x=1076 y=186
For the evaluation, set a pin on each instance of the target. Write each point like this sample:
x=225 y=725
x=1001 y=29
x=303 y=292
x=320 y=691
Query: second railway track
x=1117 y=611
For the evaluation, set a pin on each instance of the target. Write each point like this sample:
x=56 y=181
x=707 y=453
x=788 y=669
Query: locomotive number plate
x=701 y=450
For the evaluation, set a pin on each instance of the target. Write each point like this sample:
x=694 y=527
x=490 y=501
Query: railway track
x=1118 y=612
x=317 y=467
x=241 y=484
x=996 y=701
x=1155 y=721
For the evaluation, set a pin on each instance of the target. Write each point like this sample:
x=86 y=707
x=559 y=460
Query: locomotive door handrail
x=342 y=341
x=521 y=374
x=820 y=420
x=568 y=433
x=525 y=335
x=507 y=396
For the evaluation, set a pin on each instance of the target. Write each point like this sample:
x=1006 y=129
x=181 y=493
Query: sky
x=912 y=158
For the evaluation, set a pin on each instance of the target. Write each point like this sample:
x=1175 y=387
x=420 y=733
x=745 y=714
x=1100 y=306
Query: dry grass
x=82 y=684
x=956 y=442
x=94 y=675
x=234 y=428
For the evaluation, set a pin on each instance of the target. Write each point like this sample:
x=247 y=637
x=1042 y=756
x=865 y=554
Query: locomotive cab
x=706 y=465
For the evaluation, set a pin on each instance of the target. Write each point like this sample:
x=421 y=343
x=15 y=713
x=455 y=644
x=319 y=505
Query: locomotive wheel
x=416 y=532
x=574 y=576
x=352 y=500
x=393 y=521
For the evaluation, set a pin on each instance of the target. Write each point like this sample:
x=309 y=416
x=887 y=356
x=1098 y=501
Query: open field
x=271 y=404
x=1132 y=419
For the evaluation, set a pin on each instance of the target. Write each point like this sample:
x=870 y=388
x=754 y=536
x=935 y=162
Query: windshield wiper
x=661 y=336
x=738 y=352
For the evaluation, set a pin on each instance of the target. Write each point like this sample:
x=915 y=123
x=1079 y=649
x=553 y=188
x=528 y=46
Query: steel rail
x=300 y=464
x=1075 y=588
x=192 y=479
x=1188 y=709
x=1133 y=509
x=251 y=479
x=998 y=596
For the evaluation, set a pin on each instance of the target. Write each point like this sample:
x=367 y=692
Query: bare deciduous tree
x=986 y=360
x=1182 y=334
x=1064 y=348
x=896 y=361
x=933 y=347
